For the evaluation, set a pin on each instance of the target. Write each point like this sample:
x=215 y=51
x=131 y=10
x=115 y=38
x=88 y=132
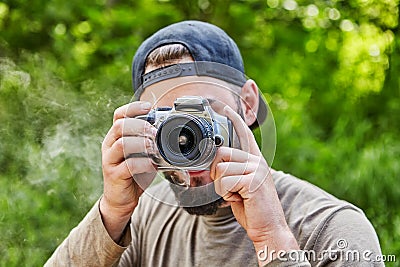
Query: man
x=235 y=212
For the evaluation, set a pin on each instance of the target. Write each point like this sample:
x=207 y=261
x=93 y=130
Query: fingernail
x=145 y=105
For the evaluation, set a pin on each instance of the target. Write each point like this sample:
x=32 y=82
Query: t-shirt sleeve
x=346 y=239
x=89 y=244
x=130 y=257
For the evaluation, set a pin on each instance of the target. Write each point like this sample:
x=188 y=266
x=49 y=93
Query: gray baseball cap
x=206 y=43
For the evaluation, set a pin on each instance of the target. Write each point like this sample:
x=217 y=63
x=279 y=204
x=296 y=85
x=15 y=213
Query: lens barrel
x=186 y=140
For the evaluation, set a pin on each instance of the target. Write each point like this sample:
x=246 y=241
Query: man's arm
x=347 y=239
x=89 y=244
x=94 y=242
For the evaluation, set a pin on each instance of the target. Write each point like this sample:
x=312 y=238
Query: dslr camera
x=188 y=134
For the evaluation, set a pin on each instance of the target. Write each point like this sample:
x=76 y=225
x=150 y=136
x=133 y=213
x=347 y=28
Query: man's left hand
x=244 y=179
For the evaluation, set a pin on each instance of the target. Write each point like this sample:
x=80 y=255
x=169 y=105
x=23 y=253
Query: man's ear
x=249 y=99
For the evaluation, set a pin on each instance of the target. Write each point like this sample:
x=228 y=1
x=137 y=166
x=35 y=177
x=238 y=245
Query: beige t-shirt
x=330 y=232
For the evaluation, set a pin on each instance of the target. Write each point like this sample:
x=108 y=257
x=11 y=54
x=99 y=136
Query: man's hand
x=243 y=178
x=125 y=177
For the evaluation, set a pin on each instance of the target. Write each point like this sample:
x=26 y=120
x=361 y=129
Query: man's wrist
x=115 y=221
x=270 y=245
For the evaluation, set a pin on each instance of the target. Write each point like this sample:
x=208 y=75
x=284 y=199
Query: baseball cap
x=206 y=43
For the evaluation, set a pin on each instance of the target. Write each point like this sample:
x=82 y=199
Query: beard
x=206 y=209
x=198 y=200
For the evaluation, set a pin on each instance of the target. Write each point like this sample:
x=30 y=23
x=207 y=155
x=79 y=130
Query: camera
x=189 y=133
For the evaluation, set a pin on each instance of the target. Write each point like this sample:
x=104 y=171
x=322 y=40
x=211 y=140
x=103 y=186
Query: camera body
x=189 y=133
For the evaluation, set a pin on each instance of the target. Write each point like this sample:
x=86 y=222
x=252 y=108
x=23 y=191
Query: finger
x=246 y=137
x=232 y=197
x=230 y=184
x=144 y=180
x=131 y=110
x=244 y=185
x=132 y=166
x=140 y=165
x=139 y=147
x=128 y=145
x=234 y=168
x=227 y=154
x=128 y=127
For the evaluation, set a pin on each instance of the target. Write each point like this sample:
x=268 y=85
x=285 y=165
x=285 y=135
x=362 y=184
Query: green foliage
x=329 y=70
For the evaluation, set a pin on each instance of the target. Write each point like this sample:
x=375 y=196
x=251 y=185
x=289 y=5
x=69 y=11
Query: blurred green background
x=328 y=68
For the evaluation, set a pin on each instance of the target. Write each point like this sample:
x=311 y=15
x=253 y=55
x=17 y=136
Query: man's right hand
x=121 y=191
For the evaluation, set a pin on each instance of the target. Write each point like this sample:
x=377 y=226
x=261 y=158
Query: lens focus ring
x=185 y=140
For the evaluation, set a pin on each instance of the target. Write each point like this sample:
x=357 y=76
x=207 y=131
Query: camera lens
x=182 y=140
x=185 y=140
